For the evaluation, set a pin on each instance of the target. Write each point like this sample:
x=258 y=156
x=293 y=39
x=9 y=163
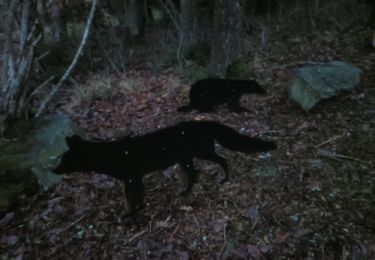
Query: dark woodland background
x=124 y=66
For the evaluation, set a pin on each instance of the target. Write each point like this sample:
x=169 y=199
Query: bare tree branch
x=73 y=64
x=170 y=8
x=37 y=89
x=173 y=14
x=8 y=65
x=24 y=24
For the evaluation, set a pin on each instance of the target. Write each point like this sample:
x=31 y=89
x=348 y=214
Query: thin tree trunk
x=195 y=24
x=134 y=17
x=371 y=19
x=59 y=29
x=189 y=23
x=8 y=67
x=24 y=23
x=227 y=36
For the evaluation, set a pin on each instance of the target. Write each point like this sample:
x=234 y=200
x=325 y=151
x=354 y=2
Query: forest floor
x=312 y=198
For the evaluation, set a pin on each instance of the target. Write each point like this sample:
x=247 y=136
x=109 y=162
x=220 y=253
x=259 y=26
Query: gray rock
x=48 y=144
x=316 y=82
x=29 y=159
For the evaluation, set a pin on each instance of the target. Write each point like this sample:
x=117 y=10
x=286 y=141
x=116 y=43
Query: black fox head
x=71 y=159
x=253 y=87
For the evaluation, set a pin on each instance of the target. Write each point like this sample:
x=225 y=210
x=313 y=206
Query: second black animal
x=209 y=93
x=130 y=158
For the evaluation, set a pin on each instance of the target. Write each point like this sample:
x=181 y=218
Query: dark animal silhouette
x=206 y=94
x=130 y=158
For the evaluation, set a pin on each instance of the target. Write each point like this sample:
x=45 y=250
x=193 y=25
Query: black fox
x=208 y=93
x=130 y=158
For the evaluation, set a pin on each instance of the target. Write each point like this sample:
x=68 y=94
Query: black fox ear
x=72 y=140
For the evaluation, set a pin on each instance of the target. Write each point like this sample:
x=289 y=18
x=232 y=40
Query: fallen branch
x=137 y=235
x=70 y=225
x=336 y=156
x=329 y=140
x=174 y=233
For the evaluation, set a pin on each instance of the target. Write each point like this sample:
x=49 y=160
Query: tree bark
x=134 y=15
x=188 y=23
x=195 y=23
x=24 y=23
x=73 y=63
x=371 y=19
x=59 y=26
x=8 y=65
x=227 y=36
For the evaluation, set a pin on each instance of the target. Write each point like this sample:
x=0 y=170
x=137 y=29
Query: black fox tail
x=231 y=139
x=187 y=108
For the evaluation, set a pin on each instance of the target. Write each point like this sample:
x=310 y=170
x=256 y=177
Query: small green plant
x=104 y=88
x=83 y=92
x=196 y=72
x=238 y=69
x=200 y=53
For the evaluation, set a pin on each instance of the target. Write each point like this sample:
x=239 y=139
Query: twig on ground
x=137 y=235
x=254 y=224
x=32 y=201
x=336 y=156
x=225 y=240
x=70 y=225
x=329 y=140
x=174 y=233
x=271 y=132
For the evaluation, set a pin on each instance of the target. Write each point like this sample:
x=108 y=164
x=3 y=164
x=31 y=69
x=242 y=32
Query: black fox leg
x=220 y=160
x=191 y=174
x=134 y=192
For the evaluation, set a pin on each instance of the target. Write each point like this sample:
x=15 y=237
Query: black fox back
x=208 y=93
x=224 y=135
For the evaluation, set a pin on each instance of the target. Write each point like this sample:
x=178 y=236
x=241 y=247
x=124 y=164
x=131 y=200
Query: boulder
x=26 y=161
x=314 y=83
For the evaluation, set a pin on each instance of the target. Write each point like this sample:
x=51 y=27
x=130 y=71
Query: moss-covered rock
x=28 y=159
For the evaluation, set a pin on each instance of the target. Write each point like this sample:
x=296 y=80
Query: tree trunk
x=227 y=36
x=188 y=23
x=371 y=19
x=195 y=23
x=59 y=26
x=134 y=17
